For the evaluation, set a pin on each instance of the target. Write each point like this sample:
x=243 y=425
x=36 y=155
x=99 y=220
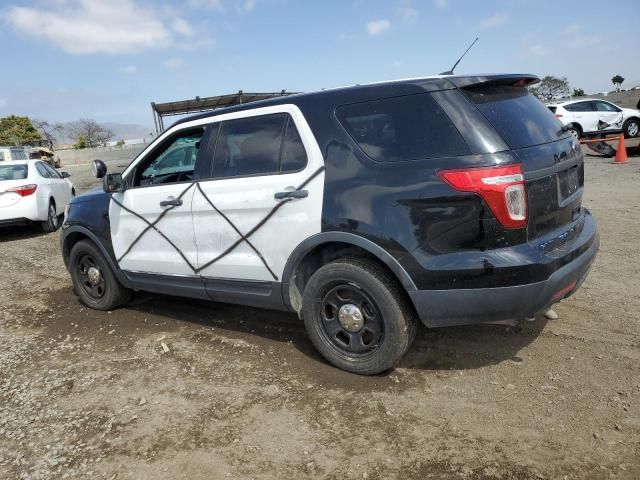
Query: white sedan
x=33 y=191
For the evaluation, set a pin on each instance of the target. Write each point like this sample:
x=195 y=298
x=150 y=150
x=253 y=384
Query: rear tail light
x=502 y=188
x=558 y=115
x=24 y=190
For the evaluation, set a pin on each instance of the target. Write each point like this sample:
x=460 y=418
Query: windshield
x=13 y=172
x=520 y=118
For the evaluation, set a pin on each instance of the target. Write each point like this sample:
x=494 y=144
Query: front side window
x=402 y=128
x=261 y=145
x=174 y=161
x=606 y=107
x=42 y=171
x=53 y=173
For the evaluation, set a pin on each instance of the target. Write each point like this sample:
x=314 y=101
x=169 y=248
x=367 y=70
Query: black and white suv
x=450 y=200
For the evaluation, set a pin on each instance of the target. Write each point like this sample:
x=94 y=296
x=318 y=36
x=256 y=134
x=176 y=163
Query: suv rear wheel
x=357 y=316
x=93 y=279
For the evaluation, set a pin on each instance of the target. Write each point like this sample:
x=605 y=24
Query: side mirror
x=65 y=174
x=98 y=168
x=113 y=182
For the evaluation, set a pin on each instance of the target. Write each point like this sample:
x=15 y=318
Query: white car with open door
x=589 y=116
x=33 y=191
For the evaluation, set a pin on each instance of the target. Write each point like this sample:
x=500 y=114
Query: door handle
x=291 y=194
x=171 y=202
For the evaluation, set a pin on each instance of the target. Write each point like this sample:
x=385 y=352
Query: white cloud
x=343 y=37
x=539 y=50
x=173 y=63
x=441 y=3
x=88 y=26
x=408 y=14
x=378 y=27
x=248 y=6
x=129 y=69
x=493 y=21
x=181 y=26
x=240 y=6
x=582 y=41
x=571 y=29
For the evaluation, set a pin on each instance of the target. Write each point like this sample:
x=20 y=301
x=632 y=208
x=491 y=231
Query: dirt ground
x=241 y=393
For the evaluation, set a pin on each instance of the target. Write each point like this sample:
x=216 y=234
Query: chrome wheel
x=632 y=129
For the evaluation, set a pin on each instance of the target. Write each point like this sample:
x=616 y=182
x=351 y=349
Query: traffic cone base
x=621 y=152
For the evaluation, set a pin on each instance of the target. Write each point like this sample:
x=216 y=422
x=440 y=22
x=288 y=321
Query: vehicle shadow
x=11 y=234
x=453 y=348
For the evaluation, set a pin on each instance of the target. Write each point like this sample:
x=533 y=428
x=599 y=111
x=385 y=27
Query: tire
x=631 y=128
x=387 y=321
x=52 y=223
x=103 y=292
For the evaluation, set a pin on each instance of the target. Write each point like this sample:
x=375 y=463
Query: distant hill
x=122 y=131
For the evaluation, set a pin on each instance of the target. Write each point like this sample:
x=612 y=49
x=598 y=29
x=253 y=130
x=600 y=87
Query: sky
x=108 y=59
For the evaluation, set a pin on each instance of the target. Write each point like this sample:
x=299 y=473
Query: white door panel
x=247 y=202
x=166 y=248
x=246 y=206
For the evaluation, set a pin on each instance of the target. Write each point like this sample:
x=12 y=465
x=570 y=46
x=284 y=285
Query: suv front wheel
x=93 y=280
x=357 y=316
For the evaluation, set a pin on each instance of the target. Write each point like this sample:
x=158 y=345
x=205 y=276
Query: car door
x=609 y=116
x=151 y=223
x=585 y=114
x=59 y=187
x=264 y=196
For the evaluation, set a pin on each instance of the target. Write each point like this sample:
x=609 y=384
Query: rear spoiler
x=520 y=80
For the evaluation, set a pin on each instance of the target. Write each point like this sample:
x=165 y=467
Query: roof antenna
x=450 y=72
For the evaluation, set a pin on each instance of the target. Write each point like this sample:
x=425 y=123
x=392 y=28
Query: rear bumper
x=438 y=308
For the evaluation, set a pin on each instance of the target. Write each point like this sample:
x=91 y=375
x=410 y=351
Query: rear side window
x=581 y=107
x=402 y=128
x=261 y=145
x=13 y=172
x=519 y=118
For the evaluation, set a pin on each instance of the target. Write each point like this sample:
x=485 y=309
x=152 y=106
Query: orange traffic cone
x=621 y=152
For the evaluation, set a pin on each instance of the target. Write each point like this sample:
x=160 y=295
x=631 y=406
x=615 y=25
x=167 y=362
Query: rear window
x=13 y=172
x=519 y=118
x=402 y=128
x=552 y=109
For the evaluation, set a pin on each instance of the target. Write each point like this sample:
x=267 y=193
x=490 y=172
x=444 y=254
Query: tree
x=551 y=87
x=16 y=130
x=577 y=92
x=48 y=131
x=617 y=81
x=81 y=141
x=90 y=132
